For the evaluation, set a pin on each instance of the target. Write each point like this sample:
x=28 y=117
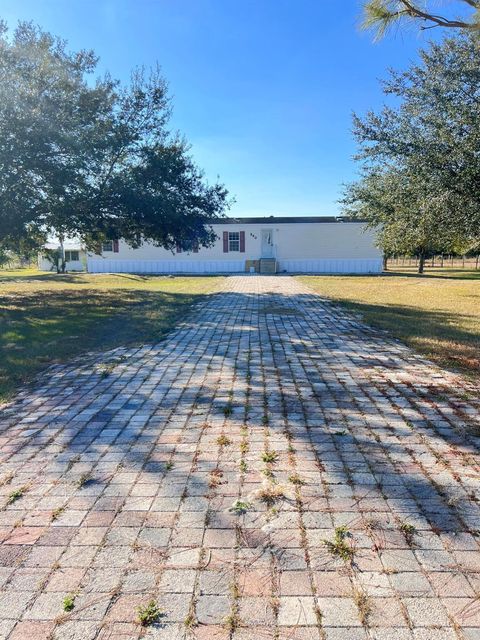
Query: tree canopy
x=420 y=159
x=93 y=158
x=382 y=15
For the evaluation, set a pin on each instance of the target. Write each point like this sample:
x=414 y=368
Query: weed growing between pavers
x=295 y=479
x=190 y=621
x=56 y=513
x=17 y=494
x=364 y=605
x=233 y=621
x=149 y=613
x=270 y=494
x=68 y=602
x=215 y=478
x=270 y=457
x=239 y=507
x=409 y=531
x=339 y=546
x=227 y=410
x=244 y=445
x=106 y=370
x=7 y=478
x=223 y=441
x=84 y=479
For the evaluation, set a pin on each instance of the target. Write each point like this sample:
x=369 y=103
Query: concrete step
x=268 y=265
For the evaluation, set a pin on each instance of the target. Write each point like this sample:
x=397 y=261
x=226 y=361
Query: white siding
x=314 y=247
x=72 y=265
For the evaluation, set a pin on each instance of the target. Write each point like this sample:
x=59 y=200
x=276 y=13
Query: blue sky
x=262 y=89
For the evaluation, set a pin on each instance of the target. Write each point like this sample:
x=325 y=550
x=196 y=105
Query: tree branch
x=382 y=13
x=415 y=12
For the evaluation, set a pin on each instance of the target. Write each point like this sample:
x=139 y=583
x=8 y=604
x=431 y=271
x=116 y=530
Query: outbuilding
x=75 y=256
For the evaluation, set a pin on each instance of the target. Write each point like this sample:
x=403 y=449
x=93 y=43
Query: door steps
x=268 y=265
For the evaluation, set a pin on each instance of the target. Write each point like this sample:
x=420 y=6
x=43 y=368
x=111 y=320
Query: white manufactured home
x=255 y=245
x=261 y=245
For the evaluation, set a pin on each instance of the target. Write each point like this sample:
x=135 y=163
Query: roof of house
x=68 y=245
x=284 y=219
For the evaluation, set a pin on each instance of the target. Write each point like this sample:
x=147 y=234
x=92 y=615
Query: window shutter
x=225 y=242
x=115 y=246
x=195 y=247
x=242 y=241
x=179 y=249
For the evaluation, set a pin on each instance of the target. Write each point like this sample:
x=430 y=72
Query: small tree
x=5 y=257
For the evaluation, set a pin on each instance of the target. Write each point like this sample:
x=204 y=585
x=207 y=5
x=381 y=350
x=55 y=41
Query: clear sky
x=262 y=89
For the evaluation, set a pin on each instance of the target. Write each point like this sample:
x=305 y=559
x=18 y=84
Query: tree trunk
x=476 y=262
x=421 y=262
x=62 y=254
x=385 y=262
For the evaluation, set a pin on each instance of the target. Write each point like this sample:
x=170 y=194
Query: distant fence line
x=456 y=262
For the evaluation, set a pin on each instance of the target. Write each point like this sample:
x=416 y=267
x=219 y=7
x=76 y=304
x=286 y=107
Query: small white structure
x=75 y=256
x=262 y=245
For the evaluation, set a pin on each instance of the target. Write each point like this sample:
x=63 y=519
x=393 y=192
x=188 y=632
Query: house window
x=72 y=256
x=107 y=246
x=234 y=241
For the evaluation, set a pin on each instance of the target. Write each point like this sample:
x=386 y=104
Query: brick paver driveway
x=274 y=469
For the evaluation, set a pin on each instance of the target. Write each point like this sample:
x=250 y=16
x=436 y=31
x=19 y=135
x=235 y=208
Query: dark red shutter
x=115 y=246
x=225 y=242
x=242 y=241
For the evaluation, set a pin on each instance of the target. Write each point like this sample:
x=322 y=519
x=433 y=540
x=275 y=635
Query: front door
x=267 y=243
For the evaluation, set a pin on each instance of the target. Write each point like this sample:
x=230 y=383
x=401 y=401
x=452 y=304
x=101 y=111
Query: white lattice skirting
x=230 y=266
x=165 y=266
x=331 y=266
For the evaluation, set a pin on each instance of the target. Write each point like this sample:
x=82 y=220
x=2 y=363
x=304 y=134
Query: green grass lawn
x=50 y=318
x=438 y=313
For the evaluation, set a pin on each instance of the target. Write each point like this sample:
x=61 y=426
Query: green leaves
x=380 y=15
x=94 y=161
x=421 y=160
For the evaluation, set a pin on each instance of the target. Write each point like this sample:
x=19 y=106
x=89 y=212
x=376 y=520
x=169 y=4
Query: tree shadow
x=375 y=431
x=38 y=328
x=440 y=335
x=442 y=274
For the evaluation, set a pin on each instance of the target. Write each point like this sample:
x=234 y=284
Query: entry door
x=267 y=243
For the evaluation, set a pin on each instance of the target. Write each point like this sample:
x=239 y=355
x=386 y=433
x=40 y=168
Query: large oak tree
x=420 y=159
x=93 y=158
